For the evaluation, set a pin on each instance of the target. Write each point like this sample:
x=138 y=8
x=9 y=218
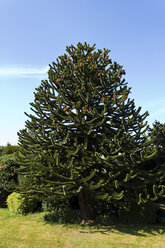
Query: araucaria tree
x=85 y=136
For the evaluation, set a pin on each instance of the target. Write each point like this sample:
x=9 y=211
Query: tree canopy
x=85 y=135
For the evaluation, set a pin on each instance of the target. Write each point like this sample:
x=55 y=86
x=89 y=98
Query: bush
x=3 y=197
x=8 y=177
x=10 y=149
x=8 y=174
x=50 y=205
x=128 y=212
x=19 y=204
x=63 y=215
x=61 y=210
x=139 y=214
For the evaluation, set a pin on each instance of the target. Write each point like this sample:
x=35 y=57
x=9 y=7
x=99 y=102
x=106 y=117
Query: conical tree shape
x=85 y=137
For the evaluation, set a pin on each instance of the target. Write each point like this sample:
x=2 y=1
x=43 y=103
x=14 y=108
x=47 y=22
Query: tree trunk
x=86 y=206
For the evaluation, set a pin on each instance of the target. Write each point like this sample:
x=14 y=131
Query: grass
x=32 y=232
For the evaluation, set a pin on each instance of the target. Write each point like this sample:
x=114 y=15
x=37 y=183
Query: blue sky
x=35 y=32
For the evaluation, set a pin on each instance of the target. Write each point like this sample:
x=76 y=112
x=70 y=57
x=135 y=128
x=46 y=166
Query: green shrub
x=9 y=149
x=60 y=210
x=8 y=177
x=8 y=174
x=63 y=215
x=139 y=214
x=3 y=197
x=50 y=205
x=19 y=204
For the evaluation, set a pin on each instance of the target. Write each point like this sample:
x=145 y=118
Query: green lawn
x=32 y=232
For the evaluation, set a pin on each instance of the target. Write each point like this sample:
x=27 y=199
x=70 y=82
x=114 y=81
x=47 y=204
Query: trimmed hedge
x=19 y=204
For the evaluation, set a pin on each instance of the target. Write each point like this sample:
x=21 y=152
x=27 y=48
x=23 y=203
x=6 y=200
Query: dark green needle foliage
x=158 y=131
x=85 y=136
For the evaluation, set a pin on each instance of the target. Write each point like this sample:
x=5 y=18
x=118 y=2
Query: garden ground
x=32 y=231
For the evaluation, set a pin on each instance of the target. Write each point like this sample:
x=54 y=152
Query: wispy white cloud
x=23 y=70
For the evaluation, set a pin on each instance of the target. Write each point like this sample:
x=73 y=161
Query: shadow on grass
x=132 y=229
x=92 y=227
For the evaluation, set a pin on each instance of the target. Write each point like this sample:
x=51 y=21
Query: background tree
x=158 y=131
x=8 y=174
x=85 y=136
x=9 y=149
x=158 y=162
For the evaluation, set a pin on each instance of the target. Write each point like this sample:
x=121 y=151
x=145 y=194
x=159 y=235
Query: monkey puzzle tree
x=85 y=137
x=158 y=130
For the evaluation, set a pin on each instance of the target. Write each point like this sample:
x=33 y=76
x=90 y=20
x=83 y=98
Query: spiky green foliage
x=158 y=162
x=158 y=131
x=85 y=132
